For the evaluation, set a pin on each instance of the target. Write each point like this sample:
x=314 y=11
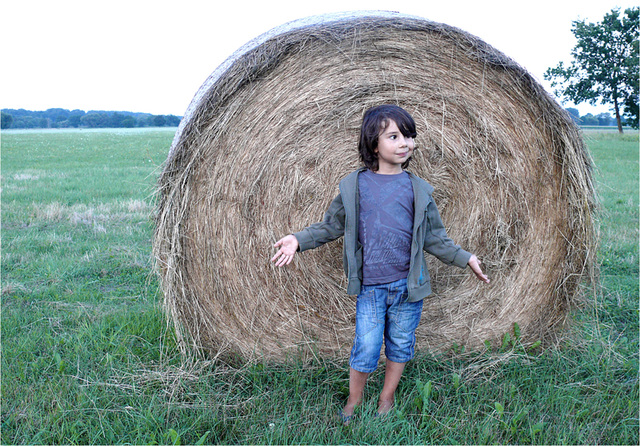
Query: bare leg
x=392 y=375
x=357 y=381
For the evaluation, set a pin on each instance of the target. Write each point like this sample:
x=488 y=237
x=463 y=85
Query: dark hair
x=375 y=121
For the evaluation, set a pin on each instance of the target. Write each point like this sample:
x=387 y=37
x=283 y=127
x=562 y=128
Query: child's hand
x=288 y=247
x=474 y=263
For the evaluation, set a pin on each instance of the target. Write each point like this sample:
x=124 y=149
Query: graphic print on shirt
x=385 y=226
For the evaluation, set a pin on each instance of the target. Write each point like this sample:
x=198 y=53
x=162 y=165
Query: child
x=388 y=218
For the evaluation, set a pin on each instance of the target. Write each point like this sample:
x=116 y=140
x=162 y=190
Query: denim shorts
x=383 y=312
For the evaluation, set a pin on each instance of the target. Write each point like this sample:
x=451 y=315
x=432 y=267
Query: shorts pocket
x=366 y=312
x=406 y=316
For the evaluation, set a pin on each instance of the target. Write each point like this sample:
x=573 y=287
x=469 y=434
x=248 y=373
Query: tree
x=589 y=119
x=95 y=120
x=6 y=120
x=128 y=122
x=57 y=114
x=172 y=121
x=119 y=120
x=604 y=66
x=575 y=114
x=603 y=118
x=75 y=118
x=159 y=121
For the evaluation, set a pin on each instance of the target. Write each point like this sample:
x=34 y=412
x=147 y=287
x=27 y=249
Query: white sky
x=152 y=56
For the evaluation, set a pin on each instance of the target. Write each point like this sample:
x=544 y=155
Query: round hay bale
x=267 y=138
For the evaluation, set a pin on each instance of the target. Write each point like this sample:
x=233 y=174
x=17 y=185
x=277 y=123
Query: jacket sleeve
x=330 y=228
x=437 y=243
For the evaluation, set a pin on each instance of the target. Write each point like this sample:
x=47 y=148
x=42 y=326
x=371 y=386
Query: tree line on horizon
x=55 y=118
x=62 y=118
x=601 y=119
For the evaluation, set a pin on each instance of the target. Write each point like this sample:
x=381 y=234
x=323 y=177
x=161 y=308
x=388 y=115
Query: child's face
x=393 y=149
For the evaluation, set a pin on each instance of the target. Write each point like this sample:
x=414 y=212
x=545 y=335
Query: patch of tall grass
x=87 y=355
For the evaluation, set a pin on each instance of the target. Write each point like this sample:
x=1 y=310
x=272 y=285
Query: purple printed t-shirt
x=385 y=226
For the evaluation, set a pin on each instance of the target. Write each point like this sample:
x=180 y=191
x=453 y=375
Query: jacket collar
x=421 y=189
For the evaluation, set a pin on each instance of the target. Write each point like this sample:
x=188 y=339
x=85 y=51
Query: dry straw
x=268 y=137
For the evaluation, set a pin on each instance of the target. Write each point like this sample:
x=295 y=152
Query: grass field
x=87 y=357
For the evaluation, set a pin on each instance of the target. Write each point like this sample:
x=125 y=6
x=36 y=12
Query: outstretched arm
x=474 y=263
x=288 y=246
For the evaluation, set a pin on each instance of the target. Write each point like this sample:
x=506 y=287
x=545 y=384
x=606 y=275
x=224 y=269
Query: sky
x=152 y=56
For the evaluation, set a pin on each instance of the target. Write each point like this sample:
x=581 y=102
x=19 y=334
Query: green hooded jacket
x=429 y=235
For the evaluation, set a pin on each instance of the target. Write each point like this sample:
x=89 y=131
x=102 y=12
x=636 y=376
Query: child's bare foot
x=349 y=409
x=347 y=412
x=384 y=407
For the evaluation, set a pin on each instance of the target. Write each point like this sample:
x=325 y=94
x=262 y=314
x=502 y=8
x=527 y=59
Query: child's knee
x=400 y=342
x=365 y=353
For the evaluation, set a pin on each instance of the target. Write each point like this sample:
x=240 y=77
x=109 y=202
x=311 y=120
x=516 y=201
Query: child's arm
x=312 y=236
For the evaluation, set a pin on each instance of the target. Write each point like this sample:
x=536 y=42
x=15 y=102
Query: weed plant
x=88 y=358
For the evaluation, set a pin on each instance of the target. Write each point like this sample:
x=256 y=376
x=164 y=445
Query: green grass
x=88 y=358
